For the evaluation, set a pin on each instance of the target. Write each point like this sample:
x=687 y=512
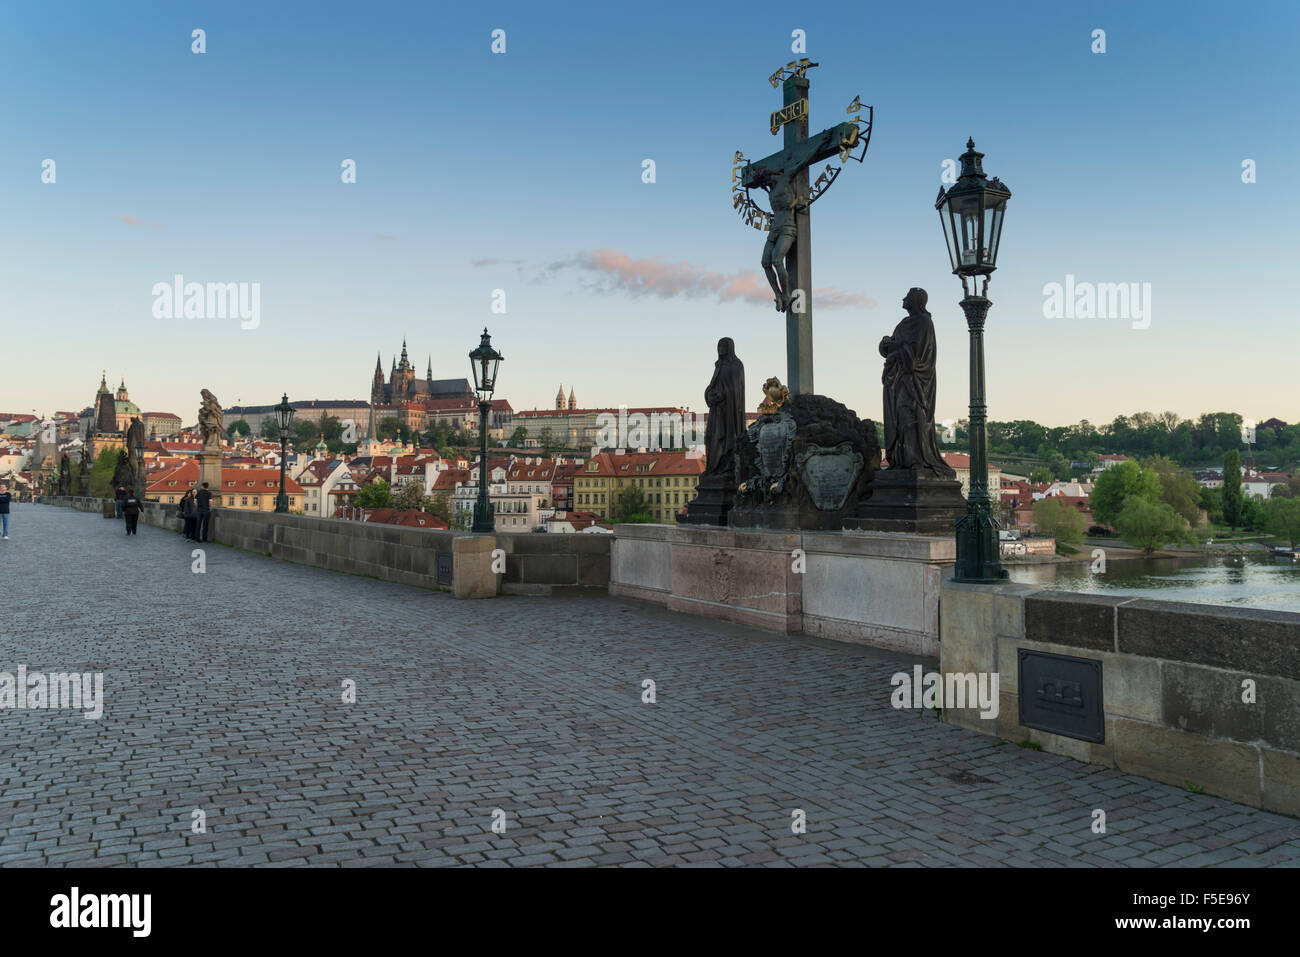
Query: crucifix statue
x=787 y=254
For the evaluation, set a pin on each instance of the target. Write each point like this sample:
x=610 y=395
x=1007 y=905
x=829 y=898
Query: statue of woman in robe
x=725 y=398
x=909 y=386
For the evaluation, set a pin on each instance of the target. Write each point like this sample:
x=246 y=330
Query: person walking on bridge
x=5 y=499
x=118 y=499
x=131 y=509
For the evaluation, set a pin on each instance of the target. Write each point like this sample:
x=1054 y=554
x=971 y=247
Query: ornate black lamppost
x=484 y=361
x=971 y=212
x=139 y=469
x=284 y=418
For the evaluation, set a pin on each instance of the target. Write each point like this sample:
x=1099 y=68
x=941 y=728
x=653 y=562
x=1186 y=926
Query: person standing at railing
x=204 y=502
x=189 y=512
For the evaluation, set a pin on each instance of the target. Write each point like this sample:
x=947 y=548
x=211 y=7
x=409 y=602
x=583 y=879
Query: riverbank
x=1119 y=551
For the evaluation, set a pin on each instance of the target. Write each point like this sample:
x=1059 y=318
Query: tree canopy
x=1149 y=525
x=1056 y=517
x=1117 y=485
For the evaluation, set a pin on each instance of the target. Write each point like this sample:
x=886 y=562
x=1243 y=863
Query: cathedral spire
x=429 y=374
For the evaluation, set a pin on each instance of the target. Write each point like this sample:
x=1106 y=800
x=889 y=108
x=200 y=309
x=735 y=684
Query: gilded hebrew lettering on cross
x=787 y=259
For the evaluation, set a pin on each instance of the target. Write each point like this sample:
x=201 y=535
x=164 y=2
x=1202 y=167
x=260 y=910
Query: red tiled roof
x=533 y=471
x=672 y=462
x=581 y=520
x=448 y=478
x=232 y=480
x=410 y=517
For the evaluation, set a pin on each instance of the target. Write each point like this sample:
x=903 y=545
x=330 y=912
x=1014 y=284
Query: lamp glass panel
x=948 y=235
x=968 y=220
x=996 y=209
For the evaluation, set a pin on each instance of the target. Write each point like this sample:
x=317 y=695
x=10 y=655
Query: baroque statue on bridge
x=210 y=420
x=909 y=391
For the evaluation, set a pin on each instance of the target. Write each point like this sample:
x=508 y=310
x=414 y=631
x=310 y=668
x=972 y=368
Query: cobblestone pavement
x=223 y=694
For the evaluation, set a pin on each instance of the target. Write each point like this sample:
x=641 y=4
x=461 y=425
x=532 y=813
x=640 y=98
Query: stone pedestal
x=903 y=500
x=805 y=465
x=709 y=507
x=210 y=472
x=872 y=588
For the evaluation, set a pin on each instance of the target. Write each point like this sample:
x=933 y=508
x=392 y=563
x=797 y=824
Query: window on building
x=243 y=500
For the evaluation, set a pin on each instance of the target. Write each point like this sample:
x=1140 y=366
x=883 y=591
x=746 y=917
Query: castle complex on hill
x=402 y=385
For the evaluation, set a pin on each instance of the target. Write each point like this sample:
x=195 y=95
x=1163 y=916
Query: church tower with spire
x=377 y=396
x=105 y=408
x=403 y=376
x=573 y=403
x=559 y=398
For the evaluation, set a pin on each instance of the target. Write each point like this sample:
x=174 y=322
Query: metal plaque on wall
x=1061 y=694
x=444 y=568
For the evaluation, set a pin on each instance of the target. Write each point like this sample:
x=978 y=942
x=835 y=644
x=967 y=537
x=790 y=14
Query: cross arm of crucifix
x=803 y=154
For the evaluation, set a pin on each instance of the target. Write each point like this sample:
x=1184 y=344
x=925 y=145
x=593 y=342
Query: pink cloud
x=136 y=221
x=619 y=272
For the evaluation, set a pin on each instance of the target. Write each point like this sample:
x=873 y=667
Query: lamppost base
x=282 y=504
x=484 y=521
x=978 y=554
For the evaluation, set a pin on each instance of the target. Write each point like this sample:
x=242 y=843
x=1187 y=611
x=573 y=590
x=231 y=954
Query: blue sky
x=522 y=172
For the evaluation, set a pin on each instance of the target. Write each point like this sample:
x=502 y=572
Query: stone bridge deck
x=223 y=694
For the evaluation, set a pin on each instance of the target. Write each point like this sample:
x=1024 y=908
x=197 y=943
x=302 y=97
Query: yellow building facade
x=668 y=481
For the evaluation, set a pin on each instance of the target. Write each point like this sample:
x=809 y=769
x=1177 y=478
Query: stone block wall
x=1178 y=681
x=877 y=588
x=534 y=563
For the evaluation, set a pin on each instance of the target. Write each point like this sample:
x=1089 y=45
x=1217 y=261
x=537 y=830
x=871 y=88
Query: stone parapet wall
x=877 y=588
x=1177 y=683
x=533 y=563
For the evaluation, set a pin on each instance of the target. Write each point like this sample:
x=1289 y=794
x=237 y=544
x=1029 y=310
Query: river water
x=1257 y=581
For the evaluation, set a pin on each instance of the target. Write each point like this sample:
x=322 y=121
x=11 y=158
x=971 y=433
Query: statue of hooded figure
x=910 y=387
x=725 y=398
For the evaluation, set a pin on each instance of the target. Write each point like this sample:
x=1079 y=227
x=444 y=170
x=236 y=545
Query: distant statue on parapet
x=134 y=435
x=210 y=419
x=909 y=391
